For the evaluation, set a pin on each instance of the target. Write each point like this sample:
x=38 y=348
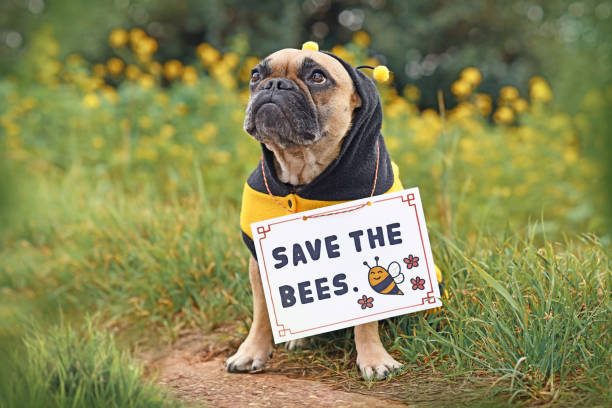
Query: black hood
x=349 y=176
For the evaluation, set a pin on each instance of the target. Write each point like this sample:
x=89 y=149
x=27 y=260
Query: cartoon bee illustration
x=385 y=281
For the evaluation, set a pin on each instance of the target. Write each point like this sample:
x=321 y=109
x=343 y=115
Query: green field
x=119 y=202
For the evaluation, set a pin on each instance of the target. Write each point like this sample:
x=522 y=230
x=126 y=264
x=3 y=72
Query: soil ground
x=192 y=369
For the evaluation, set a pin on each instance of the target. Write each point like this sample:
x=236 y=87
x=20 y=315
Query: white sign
x=346 y=264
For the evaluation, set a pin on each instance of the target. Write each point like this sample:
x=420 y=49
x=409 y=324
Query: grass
x=63 y=367
x=128 y=208
x=534 y=315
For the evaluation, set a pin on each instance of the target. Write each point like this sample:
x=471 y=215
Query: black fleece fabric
x=351 y=175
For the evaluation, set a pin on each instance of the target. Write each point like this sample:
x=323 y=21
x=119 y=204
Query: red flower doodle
x=417 y=283
x=411 y=261
x=365 y=301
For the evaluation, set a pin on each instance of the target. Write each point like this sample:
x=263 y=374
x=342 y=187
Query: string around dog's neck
x=291 y=211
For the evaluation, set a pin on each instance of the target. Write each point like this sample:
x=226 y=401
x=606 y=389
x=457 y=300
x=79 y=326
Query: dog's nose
x=282 y=84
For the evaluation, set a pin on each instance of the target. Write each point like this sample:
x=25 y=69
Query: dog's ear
x=355 y=100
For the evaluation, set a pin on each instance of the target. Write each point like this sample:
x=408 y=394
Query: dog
x=318 y=121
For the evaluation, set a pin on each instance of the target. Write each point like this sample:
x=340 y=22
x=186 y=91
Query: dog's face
x=299 y=97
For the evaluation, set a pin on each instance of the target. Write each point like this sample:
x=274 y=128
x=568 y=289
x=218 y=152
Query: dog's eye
x=317 y=77
x=255 y=76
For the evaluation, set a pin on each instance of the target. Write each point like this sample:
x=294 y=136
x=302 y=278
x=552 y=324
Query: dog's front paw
x=376 y=364
x=251 y=357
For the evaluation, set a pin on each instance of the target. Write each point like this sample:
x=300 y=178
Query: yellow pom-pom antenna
x=310 y=45
x=381 y=73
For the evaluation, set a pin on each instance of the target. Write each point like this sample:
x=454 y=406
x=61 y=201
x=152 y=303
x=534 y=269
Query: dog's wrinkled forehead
x=291 y=63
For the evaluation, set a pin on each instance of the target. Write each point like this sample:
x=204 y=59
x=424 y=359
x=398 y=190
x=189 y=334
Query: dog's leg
x=296 y=344
x=257 y=347
x=372 y=358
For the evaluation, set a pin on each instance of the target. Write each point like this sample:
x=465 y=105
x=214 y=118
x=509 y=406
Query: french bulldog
x=318 y=121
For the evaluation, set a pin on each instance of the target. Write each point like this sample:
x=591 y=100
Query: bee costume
x=350 y=176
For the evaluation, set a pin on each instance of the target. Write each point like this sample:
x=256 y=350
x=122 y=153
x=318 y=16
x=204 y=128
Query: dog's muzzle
x=279 y=111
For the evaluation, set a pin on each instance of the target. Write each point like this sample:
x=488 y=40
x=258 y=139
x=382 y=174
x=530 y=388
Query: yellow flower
x=504 y=115
x=520 y=105
x=12 y=129
x=461 y=89
x=230 y=61
x=343 y=53
x=206 y=133
x=222 y=75
x=221 y=157
x=52 y=67
x=521 y=190
x=146 y=153
x=472 y=76
x=483 y=103
x=115 y=66
x=176 y=150
x=362 y=39
x=110 y=94
x=468 y=146
x=539 y=90
x=508 y=93
x=98 y=142
x=132 y=72
x=190 y=76
x=207 y=54
x=155 y=68
x=93 y=83
x=412 y=93
x=570 y=156
x=118 y=38
x=431 y=117
x=145 y=122
x=91 y=100
x=75 y=59
x=99 y=70
x=145 y=46
x=227 y=81
x=146 y=81
x=461 y=111
x=397 y=107
x=136 y=34
x=173 y=69
x=167 y=131
x=52 y=47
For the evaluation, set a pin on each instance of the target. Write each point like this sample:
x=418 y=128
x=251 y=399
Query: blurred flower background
x=142 y=84
x=122 y=154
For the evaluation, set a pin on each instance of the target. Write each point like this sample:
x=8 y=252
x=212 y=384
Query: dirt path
x=192 y=369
